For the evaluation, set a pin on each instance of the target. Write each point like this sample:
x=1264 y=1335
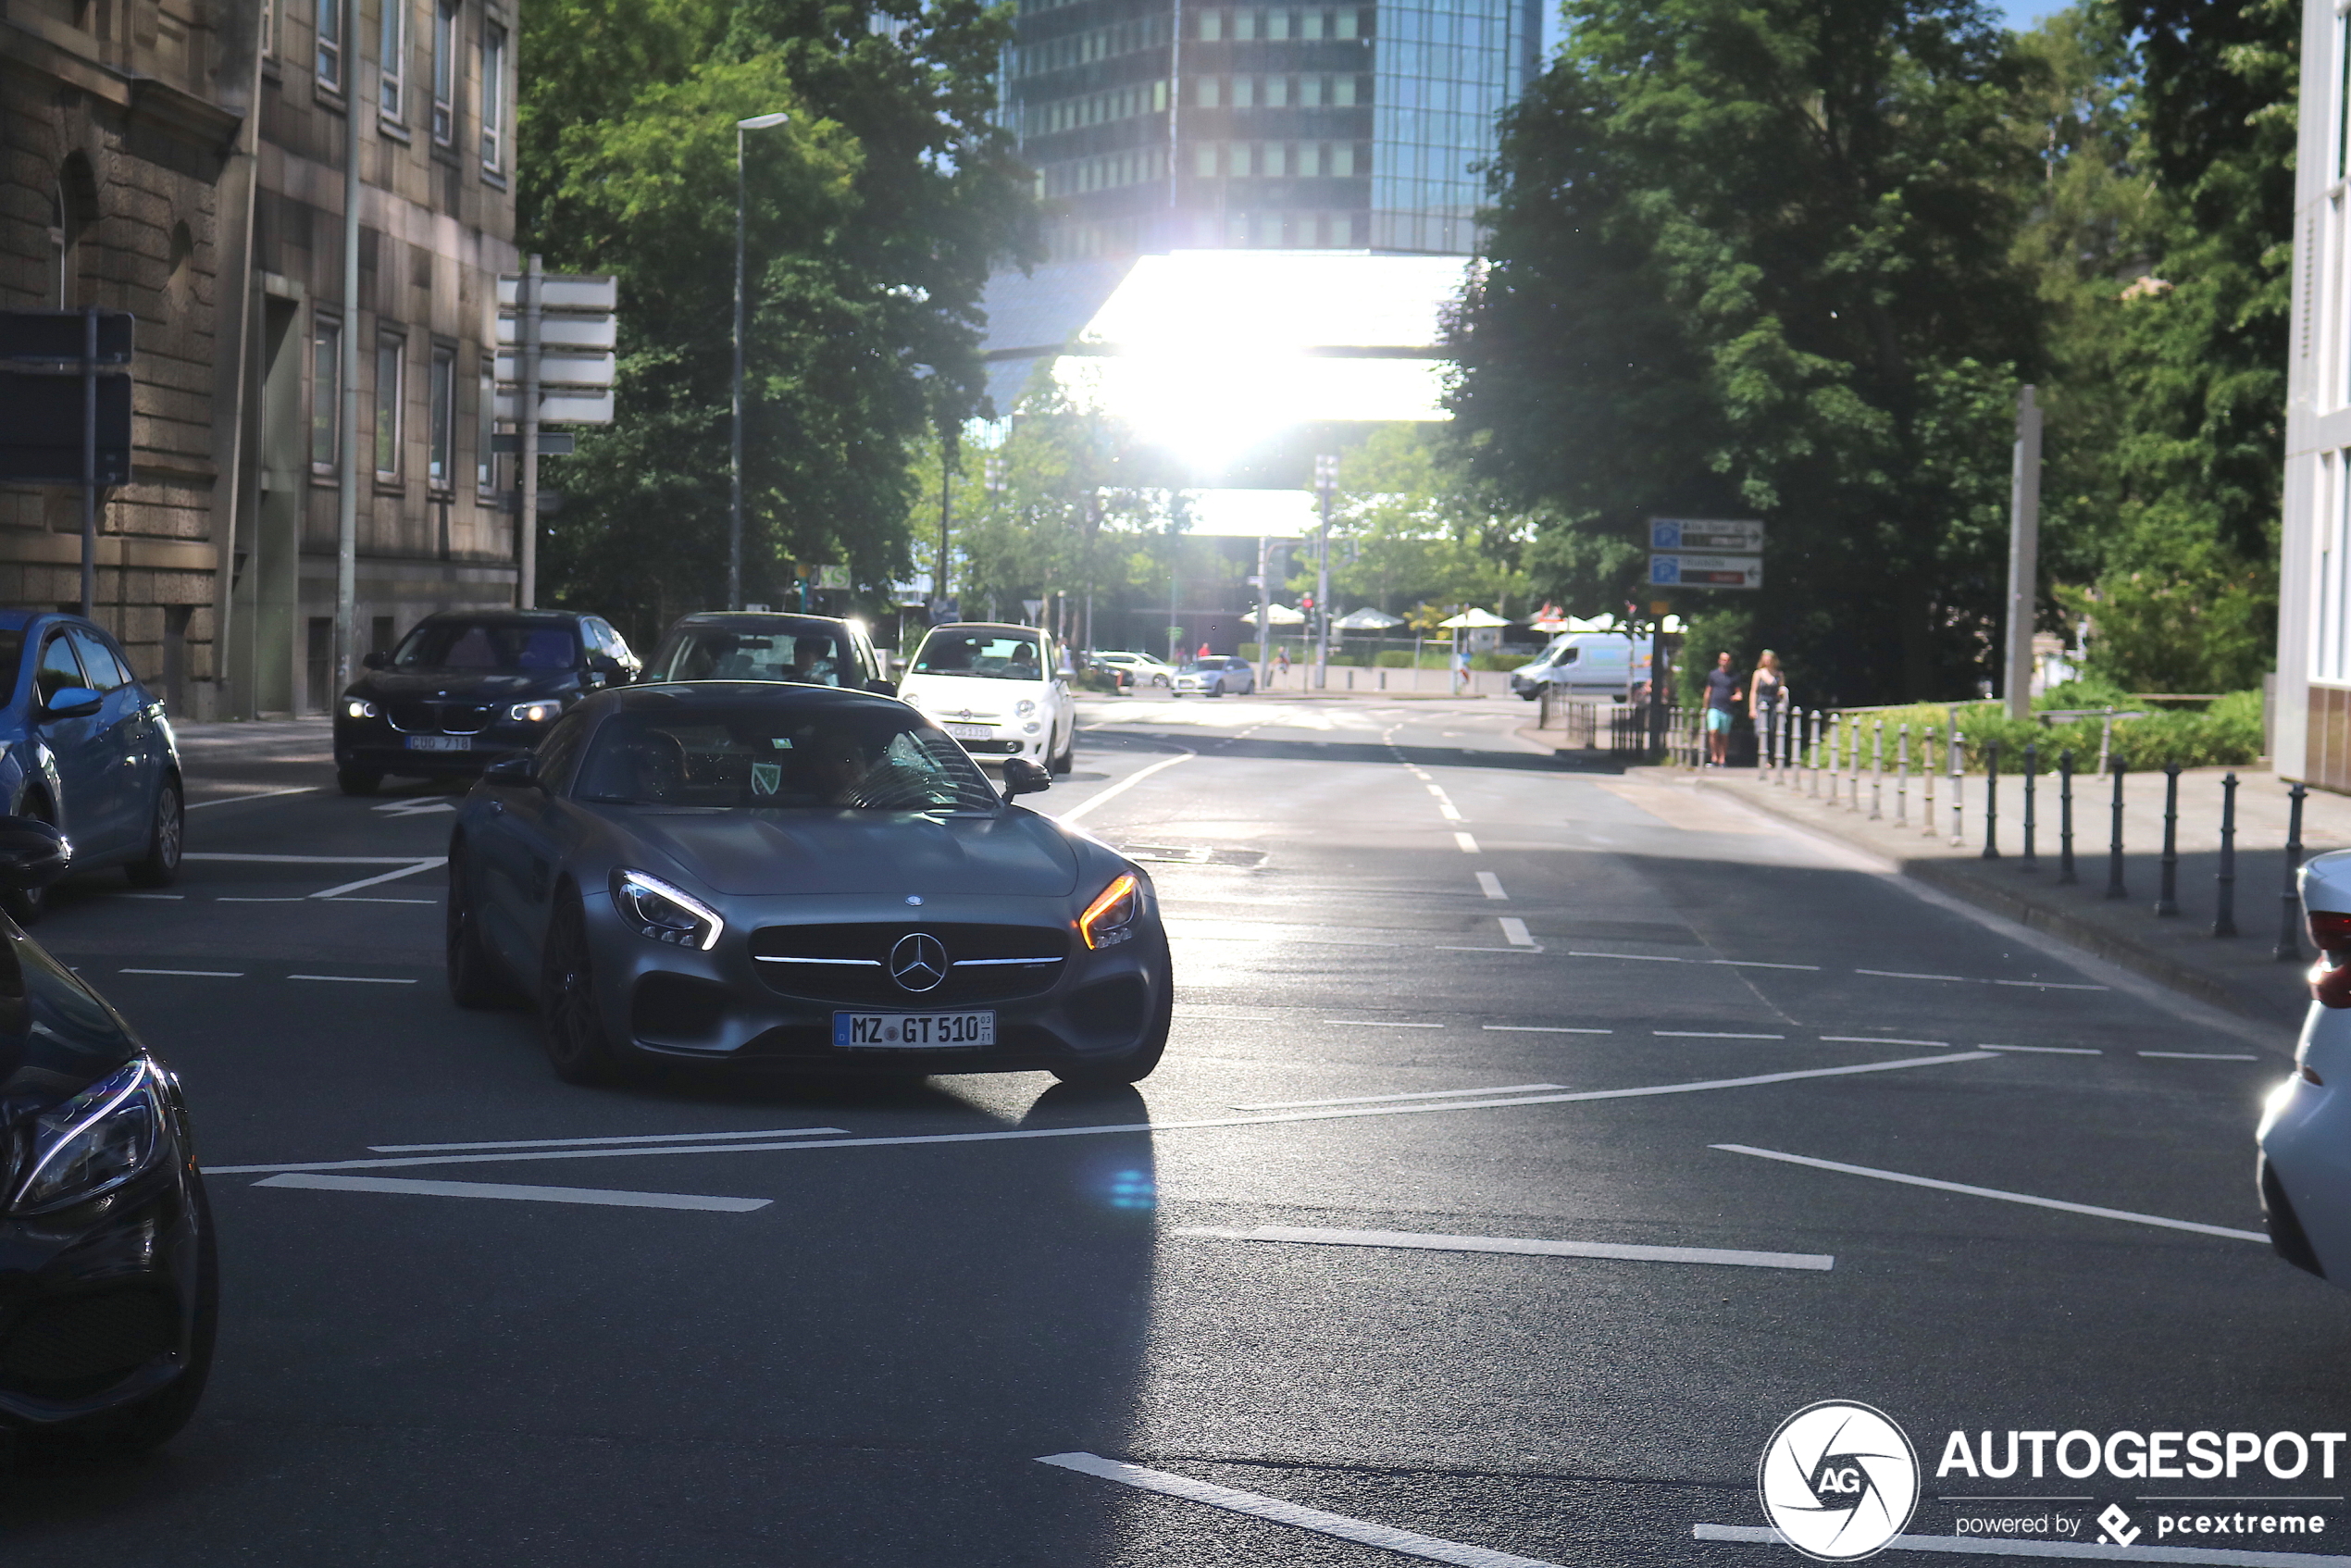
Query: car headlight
x=94 y=1142
x=1110 y=919
x=355 y=708
x=535 y=712
x=1026 y=706
x=664 y=914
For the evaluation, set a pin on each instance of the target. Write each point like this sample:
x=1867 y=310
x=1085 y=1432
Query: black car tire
x=476 y=977
x=27 y=905
x=1067 y=760
x=571 y=1025
x=357 y=781
x=1137 y=1064
x=1217 y=687
x=155 y=1420
x=159 y=868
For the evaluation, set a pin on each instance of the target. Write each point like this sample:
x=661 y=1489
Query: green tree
x=874 y=217
x=1409 y=524
x=1753 y=260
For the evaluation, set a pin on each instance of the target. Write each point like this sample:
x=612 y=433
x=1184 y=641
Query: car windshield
x=811 y=654
x=768 y=756
x=991 y=655
x=487 y=646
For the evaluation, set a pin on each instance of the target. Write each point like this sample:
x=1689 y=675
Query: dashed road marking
x=1514 y=931
x=198 y=974
x=2203 y=1055
x=355 y=979
x=598 y=1196
x=1466 y=844
x=1490 y=885
x=1416 y=1094
x=1708 y=1034
x=590 y=1142
x=1540 y=1029
x=1518 y=1245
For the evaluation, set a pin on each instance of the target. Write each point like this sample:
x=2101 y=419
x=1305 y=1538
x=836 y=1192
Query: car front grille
x=851 y=963
x=417 y=716
x=82 y=1342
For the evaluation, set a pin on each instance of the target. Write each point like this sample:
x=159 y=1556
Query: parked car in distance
x=769 y=645
x=998 y=688
x=1216 y=677
x=107 y=1268
x=2304 y=1167
x=467 y=687
x=1142 y=668
x=1586 y=663
x=86 y=747
x=793 y=875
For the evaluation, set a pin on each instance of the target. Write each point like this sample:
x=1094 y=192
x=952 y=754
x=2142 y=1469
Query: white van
x=1586 y=663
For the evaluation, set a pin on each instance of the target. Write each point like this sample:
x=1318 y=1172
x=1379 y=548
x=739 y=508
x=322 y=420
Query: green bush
x=1395 y=659
x=2227 y=733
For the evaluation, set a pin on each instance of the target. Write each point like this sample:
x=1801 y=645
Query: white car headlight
x=353 y=707
x=1026 y=706
x=664 y=914
x=96 y=1141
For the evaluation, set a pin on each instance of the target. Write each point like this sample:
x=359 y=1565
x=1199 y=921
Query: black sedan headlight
x=545 y=710
x=358 y=707
x=1110 y=919
x=108 y=1135
x=664 y=913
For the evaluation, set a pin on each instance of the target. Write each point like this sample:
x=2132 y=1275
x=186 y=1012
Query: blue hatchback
x=85 y=747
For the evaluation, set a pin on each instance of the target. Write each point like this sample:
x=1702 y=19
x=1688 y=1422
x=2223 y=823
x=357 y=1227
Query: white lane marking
x=257 y=795
x=1627 y=1253
x=302 y=859
x=1637 y=957
x=175 y=897
x=584 y=1142
x=1761 y=964
x=1880 y=1039
x=1416 y=1094
x=1464 y=844
x=198 y=974
x=1514 y=931
x=1427 y=1548
x=2203 y=1055
x=413 y=808
x=2050 y=985
x=1708 y=1034
x=1197 y=1124
x=1978 y=980
x=1382 y=1024
x=1899 y=975
x=1532 y=947
x=2091 y=1209
x=1540 y=1029
x=426 y=863
x=1113 y=792
x=355 y=979
x=1976 y=1545
x=228 y=899
x=1490 y=885
x=364 y=899
x=2048 y=1050
x=596 y=1195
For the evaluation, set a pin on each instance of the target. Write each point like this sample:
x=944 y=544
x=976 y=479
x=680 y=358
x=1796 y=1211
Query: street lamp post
x=1326 y=481
x=735 y=467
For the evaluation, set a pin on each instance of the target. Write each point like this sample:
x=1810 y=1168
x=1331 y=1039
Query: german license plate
x=440 y=743
x=971 y=731
x=913 y=1031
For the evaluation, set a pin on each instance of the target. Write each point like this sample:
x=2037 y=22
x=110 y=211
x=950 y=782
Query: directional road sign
x=41 y=429
x=1706 y=571
x=558 y=367
x=563 y=290
x=57 y=337
x=557 y=407
x=1709 y=535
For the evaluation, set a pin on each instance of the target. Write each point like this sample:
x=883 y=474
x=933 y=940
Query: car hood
x=482 y=685
x=778 y=853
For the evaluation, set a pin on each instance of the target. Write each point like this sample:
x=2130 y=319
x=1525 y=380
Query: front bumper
x=674 y=1003
x=374 y=746
x=2304 y=1171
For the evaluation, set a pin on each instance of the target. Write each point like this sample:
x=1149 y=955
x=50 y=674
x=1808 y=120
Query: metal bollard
x=1853 y=765
x=2030 y=862
x=1927 y=772
x=1902 y=777
x=1956 y=754
x=1877 y=770
x=1812 y=748
x=1836 y=724
x=1991 y=799
x=2167 y=897
x=2065 y=818
x=2224 y=881
x=2114 y=888
x=2289 y=947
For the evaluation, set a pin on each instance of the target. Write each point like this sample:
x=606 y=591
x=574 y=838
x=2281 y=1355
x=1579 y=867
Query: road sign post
x=1706 y=553
x=41 y=443
x=575 y=314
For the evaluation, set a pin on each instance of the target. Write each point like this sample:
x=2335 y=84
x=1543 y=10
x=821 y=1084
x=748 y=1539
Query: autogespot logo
x=1838 y=1481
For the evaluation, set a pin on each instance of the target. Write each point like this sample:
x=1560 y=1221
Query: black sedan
x=800 y=877
x=107 y=1281
x=467 y=687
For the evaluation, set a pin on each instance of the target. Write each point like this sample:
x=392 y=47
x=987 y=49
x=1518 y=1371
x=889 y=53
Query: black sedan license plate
x=440 y=743
x=913 y=1031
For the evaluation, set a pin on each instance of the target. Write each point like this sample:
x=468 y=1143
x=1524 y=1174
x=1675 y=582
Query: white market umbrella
x=1473 y=620
x=1281 y=614
x=1367 y=619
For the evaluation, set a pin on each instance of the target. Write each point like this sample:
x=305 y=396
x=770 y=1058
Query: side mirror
x=514 y=773
x=1024 y=778
x=609 y=667
x=882 y=688
x=71 y=702
x=377 y=660
x=32 y=853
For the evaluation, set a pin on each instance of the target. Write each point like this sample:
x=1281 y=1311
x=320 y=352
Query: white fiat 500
x=997 y=688
x=2305 y=1127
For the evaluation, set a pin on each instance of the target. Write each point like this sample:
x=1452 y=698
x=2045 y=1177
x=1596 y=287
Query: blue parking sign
x=1665 y=571
x=1665 y=534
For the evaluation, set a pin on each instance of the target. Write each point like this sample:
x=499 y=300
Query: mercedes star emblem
x=918 y=963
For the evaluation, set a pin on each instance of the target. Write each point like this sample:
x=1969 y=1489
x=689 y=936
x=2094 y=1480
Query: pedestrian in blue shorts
x=1722 y=698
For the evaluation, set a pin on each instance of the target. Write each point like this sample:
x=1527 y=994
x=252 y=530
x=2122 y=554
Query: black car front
x=461 y=692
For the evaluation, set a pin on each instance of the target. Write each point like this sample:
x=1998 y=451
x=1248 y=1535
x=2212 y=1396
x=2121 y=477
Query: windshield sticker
x=765 y=777
x=781 y=742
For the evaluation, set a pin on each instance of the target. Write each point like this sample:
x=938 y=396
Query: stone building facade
x=183 y=159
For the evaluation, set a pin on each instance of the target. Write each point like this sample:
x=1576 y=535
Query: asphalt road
x=1429 y=983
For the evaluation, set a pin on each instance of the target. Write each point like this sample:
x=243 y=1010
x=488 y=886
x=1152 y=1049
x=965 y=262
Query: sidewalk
x=2237 y=973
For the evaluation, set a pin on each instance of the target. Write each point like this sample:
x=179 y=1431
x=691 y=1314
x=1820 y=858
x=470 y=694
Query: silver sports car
x=801 y=876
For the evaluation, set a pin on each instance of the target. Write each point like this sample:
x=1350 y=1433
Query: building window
x=1212 y=26
x=441 y=409
x=388 y=367
x=269 y=29
x=325 y=373
x=485 y=429
x=392 y=103
x=444 y=71
x=493 y=97
x=330 y=44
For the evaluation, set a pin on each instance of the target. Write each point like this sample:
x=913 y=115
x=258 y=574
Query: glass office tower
x=1165 y=124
